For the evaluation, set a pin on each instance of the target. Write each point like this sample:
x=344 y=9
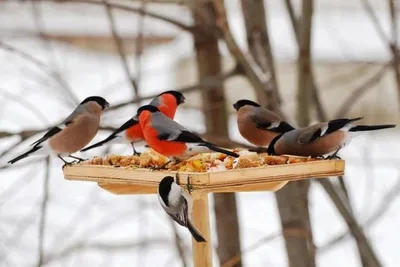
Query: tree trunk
x=293 y=198
x=209 y=64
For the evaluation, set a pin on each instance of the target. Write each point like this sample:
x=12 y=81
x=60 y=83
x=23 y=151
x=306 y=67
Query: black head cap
x=98 y=99
x=244 y=102
x=165 y=187
x=180 y=98
x=148 y=108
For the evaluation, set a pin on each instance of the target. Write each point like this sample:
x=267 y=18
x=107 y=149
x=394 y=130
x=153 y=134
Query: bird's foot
x=334 y=156
x=66 y=163
x=259 y=150
x=162 y=167
x=135 y=153
x=77 y=158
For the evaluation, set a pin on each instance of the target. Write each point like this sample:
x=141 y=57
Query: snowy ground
x=82 y=216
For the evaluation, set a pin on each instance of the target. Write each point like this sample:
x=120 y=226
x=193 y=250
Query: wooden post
x=202 y=256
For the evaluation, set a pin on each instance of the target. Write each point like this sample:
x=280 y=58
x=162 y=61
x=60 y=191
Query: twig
x=120 y=49
x=178 y=243
x=237 y=258
x=206 y=83
x=366 y=250
x=253 y=72
x=130 y=9
x=139 y=46
x=43 y=213
x=378 y=27
x=53 y=75
x=383 y=207
x=39 y=23
x=357 y=93
x=315 y=91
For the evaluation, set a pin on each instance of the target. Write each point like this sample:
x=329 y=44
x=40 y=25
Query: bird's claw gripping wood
x=162 y=167
x=78 y=158
x=334 y=156
x=135 y=153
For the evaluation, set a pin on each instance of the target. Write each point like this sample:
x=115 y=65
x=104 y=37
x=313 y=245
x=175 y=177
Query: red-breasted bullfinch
x=75 y=132
x=167 y=102
x=178 y=204
x=320 y=139
x=171 y=139
x=257 y=124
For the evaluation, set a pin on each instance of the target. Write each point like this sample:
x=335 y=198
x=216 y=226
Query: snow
x=82 y=212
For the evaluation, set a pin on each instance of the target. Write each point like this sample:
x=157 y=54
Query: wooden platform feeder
x=124 y=181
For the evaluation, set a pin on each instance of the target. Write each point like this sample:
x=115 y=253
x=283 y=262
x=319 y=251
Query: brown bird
x=75 y=132
x=320 y=139
x=257 y=124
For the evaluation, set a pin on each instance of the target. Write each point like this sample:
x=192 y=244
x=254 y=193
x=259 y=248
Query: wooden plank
x=202 y=256
x=144 y=181
x=131 y=189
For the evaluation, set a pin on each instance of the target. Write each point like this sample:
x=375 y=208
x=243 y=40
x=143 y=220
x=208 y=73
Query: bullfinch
x=75 y=132
x=167 y=102
x=171 y=139
x=178 y=204
x=320 y=139
x=257 y=124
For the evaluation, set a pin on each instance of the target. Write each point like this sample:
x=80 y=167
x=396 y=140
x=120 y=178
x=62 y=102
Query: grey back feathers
x=165 y=126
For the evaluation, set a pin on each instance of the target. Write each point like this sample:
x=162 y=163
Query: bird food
x=205 y=162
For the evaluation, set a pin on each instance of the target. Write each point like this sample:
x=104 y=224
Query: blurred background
x=309 y=60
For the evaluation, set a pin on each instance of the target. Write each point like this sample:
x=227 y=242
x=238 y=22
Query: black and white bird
x=178 y=204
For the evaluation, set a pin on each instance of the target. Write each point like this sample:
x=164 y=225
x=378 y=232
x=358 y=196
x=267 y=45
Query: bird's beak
x=183 y=99
x=107 y=105
x=236 y=106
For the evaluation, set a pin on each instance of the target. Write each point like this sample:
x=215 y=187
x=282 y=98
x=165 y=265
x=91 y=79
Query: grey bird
x=320 y=139
x=75 y=132
x=178 y=204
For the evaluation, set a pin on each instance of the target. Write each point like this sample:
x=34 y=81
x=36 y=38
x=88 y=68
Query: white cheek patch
x=174 y=194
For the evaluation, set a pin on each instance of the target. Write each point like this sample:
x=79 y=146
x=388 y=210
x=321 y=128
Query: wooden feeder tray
x=127 y=180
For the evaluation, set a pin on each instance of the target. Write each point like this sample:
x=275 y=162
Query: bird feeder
x=129 y=181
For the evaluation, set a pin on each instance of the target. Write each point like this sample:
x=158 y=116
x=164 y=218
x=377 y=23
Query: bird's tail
x=195 y=233
x=108 y=139
x=26 y=154
x=360 y=128
x=218 y=149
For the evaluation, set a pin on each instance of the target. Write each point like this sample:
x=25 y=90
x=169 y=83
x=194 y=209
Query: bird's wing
x=170 y=130
x=155 y=101
x=266 y=120
x=70 y=119
x=311 y=134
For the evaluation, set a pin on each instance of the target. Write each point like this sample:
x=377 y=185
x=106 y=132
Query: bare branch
x=253 y=72
x=358 y=92
x=43 y=213
x=237 y=258
x=129 y=9
x=120 y=49
x=378 y=27
x=53 y=75
x=383 y=207
x=178 y=243
x=368 y=254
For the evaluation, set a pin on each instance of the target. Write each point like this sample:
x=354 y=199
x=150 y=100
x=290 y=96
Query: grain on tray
x=205 y=162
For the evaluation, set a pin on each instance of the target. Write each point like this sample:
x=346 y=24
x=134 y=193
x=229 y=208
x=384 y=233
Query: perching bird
x=320 y=139
x=178 y=204
x=75 y=132
x=167 y=102
x=257 y=124
x=171 y=139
